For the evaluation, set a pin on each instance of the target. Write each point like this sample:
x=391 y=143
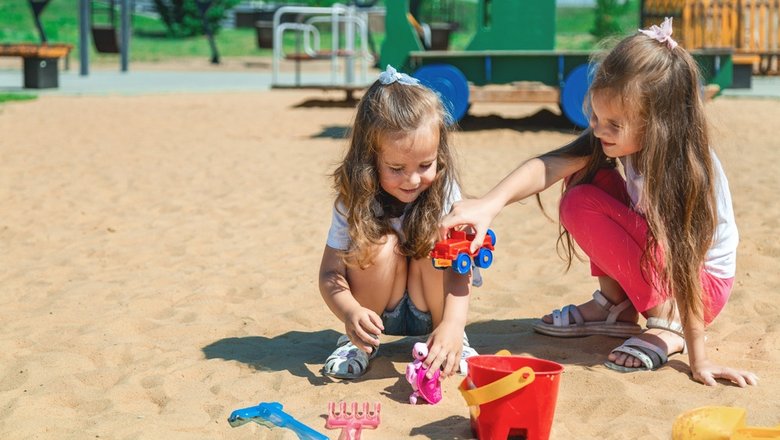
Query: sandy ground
x=159 y=254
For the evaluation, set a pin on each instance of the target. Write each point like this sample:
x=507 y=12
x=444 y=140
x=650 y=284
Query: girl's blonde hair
x=660 y=90
x=384 y=110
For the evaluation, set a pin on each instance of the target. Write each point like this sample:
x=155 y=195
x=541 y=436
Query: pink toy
x=352 y=421
x=428 y=389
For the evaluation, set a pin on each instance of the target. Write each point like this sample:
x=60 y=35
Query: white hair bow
x=663 y=33
x=390 y=75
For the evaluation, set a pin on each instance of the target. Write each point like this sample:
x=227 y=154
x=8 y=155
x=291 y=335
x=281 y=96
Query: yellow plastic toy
x=719 y=423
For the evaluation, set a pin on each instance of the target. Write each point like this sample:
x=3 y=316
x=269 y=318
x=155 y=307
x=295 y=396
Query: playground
x=161 y=235
x=160 y=253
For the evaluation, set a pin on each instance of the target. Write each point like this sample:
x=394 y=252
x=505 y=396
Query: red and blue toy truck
x=454 y=252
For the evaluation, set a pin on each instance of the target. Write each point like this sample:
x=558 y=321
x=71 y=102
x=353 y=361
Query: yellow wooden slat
x=29 y=50
x=750 y=26
x=762 y=42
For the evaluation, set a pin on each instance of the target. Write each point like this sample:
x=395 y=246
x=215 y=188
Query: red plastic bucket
x=511 y=396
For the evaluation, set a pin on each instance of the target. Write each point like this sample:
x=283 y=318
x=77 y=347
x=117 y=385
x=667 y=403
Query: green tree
x=182 y=18
x=608 y=13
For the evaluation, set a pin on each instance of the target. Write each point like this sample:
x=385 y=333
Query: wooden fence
x=751 y=27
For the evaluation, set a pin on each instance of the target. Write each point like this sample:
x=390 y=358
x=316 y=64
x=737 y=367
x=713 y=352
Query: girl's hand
x=363 y=327
x=475 y=212
x=444 y=348
x=706 y=372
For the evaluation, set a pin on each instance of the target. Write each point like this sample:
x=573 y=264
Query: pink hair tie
x=663 y=33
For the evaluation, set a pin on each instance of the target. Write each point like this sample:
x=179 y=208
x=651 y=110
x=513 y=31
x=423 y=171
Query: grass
x=5 y=97
x=60 y=21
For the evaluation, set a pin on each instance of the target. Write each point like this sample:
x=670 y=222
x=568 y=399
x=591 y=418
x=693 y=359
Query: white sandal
x=652 y=356
x=347 y=361
x=466 y=353
x=562 y=326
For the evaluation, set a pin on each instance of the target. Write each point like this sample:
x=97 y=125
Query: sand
x=159 y=255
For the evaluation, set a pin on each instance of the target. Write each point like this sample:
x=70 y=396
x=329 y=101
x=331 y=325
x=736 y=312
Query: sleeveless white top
x=721 y=258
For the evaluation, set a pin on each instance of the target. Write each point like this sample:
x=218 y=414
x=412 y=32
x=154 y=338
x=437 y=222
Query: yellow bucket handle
x=498 y=389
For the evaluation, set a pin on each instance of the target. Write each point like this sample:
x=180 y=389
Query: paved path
x=138 y=82
x=762 y=87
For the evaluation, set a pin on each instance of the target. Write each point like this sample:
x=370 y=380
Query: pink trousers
x=600 y=219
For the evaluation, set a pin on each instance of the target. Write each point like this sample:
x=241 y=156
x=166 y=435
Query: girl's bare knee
x=426 y=288
x=381 y=285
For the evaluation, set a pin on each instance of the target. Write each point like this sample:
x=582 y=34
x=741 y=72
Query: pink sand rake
x=352 y=421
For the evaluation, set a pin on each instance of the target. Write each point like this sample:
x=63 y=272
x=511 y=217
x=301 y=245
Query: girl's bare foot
x=592 y=312
x=597 y=317
x=664 y=339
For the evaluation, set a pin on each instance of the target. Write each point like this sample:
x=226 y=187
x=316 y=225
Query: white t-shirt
x=338 y=235
x=721 y=258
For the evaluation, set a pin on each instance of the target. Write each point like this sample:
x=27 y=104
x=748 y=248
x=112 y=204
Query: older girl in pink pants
x=601 y=220
x=662 y=241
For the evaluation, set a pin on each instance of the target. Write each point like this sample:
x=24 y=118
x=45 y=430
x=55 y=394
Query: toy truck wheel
x=450 y=83
x=484 y=258
x=462 y=264
x=573 y=94
x=492 y=236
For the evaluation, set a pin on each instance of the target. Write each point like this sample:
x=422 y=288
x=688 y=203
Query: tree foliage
x=607 y=17
x=183 y=18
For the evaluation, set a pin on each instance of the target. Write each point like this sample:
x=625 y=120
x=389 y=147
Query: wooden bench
x=40 y=62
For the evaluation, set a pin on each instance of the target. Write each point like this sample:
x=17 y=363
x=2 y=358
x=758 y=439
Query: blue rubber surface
x=451 y=85
x=573 y=92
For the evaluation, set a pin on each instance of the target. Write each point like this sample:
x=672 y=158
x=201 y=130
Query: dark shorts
x=407 y=320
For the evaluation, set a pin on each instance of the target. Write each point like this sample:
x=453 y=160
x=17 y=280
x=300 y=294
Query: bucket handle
x=498 y=389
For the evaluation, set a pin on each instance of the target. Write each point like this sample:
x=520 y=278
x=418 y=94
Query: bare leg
x=672 y=342
x=380 y=286
x=426 y=289
x=592 y=311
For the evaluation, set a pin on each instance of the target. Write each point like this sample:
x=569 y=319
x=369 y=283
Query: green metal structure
x=549 y=67
x=400 y=36
x=514 y=25
x=514 y=41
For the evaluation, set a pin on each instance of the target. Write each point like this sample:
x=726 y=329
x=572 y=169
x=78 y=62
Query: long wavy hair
x=586 y=144
x=384 y=110
x=660 y=90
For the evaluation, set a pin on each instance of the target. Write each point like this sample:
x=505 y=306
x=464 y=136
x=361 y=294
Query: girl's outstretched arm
x=361 y=324
x=446 y=341
x=532 y=177
x=704 y=370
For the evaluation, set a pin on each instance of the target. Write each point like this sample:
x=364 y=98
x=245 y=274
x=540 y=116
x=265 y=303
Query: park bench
x=40 y=62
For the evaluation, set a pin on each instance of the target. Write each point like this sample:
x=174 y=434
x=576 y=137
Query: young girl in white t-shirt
x=393 y=186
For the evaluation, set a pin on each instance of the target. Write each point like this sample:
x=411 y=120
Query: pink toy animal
x=428 y=389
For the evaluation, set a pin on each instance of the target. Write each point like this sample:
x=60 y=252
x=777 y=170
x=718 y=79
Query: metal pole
x=84 y=37
x=335 y=44
x=349 y=35
x=297 y=58
x=37 y=7
x=125 y=34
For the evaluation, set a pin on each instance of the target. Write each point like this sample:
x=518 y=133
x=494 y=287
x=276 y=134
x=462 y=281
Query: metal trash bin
x=40 y=73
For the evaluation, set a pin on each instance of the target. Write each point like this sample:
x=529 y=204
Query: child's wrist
x=697 y=362
x=456 y=323
x=495 y=203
